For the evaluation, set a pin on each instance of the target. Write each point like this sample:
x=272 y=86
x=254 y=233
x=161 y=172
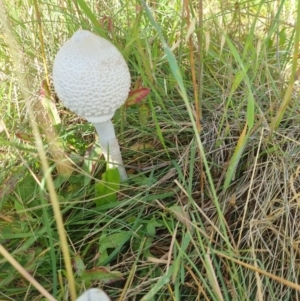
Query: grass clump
x=211 y=208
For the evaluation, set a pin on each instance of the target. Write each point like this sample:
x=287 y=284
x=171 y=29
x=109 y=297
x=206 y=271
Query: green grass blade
x=235 y=159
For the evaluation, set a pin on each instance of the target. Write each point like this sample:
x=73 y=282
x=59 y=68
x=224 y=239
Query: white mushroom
x=93 y=294
x=92 y=79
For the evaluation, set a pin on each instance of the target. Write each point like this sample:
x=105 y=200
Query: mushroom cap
x=90 y=76
x=93 y=294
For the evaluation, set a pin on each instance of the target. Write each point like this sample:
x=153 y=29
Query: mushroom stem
x=110 y=146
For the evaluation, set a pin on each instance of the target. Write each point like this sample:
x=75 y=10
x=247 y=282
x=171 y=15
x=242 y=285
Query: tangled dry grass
x=172 y=231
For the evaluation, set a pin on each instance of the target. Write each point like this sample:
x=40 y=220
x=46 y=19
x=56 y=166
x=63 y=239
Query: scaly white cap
x=93 y=294
x=91 y=77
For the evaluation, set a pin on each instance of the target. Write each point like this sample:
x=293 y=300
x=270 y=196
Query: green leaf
x=27 y=188
x=282 y=37
x=151 y=227
x=28 y=196
x=101 y=274
x=111 y=241
x=106 y=190
x=78 y=265
x=151 y=232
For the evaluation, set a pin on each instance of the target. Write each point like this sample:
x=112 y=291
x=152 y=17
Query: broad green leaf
x=101 y=274
x=151 y=232
x=79 y=265
x=111 y=241
x=18 y=206
x=27 y=188
x=106 y=190
x=282 y=37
